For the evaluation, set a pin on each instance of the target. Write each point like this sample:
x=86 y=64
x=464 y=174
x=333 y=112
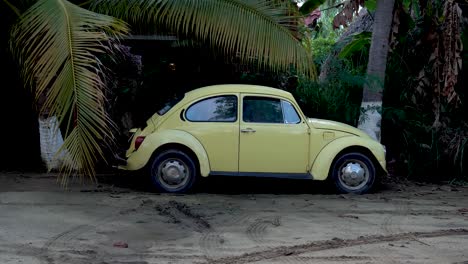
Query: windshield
x=169 y=104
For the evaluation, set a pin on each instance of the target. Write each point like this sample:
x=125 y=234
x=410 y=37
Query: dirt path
x=283 y=223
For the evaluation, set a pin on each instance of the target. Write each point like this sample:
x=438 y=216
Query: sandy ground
x=228 y=221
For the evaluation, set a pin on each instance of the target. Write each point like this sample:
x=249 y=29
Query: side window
x=262 y=110
x=290 y=114
x=214 y=109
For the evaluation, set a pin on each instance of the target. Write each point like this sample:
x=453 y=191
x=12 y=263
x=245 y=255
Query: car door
x=273 y=137
x=214 y=122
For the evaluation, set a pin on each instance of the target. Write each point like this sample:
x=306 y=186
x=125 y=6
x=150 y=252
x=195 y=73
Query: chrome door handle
x=248 y=130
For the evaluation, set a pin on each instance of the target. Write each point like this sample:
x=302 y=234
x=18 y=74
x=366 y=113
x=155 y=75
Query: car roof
x=236 y=88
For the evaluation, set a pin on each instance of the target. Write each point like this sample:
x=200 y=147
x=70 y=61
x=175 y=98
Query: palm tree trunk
x=371 y=107
x=50 y=137
x=51 y=141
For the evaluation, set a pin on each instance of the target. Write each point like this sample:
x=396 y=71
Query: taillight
x=138 y=142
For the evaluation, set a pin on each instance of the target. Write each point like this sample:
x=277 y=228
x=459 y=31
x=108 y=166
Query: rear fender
x=139 y=158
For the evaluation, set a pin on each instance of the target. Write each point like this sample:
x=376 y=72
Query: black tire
x=171 y=166
x=346 y=173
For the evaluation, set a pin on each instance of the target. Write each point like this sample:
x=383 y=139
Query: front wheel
x=173 y=171
x=353 y=173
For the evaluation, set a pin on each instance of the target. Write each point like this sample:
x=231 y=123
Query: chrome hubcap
x=173 y=173
x=354 y=174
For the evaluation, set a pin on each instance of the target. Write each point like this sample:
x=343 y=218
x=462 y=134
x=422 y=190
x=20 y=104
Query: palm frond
x=56 y=43
x=19 y=6
x=12 y=7
x=255 y=30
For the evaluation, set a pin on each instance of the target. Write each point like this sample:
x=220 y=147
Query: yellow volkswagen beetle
x=247 y=130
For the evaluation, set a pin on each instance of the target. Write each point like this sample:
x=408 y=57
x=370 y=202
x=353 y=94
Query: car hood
x=337 y=126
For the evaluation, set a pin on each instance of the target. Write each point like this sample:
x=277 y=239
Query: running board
x=298 y=176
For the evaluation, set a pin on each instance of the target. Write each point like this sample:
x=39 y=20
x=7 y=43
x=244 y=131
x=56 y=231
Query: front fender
x=323 y=162
x=139 y=158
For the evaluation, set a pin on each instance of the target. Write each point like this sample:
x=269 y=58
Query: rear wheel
x=173 y=171
x=353 y=173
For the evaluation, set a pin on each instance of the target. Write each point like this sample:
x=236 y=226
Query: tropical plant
x=322 y=37
x=337 y=98
x=360 y=43
x=426 y=105
x=58 y=43
x=438 y=76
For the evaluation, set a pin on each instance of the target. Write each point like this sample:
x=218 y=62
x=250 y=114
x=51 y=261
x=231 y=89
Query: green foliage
x=407 y=4
x=419 y=148
x=310 y=5
x=322 y=38
x=353 y=53
x=360 y=43
x=338 y=98
x=324 y=28
x=321 y=48
x=421 y=151
x=371 y=5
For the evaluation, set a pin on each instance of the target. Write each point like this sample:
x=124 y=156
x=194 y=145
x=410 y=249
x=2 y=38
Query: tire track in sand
x=46 y=254
x=259 y=229
x=392 y=225
x=279 y=252
x=213 y=242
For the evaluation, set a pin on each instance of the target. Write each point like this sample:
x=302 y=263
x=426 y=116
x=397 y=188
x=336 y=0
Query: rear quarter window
x=213 y=109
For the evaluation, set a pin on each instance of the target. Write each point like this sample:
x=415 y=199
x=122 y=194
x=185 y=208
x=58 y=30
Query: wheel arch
x=358 y=149
x=177 y=146
x=160 y=141
x=329 y=154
